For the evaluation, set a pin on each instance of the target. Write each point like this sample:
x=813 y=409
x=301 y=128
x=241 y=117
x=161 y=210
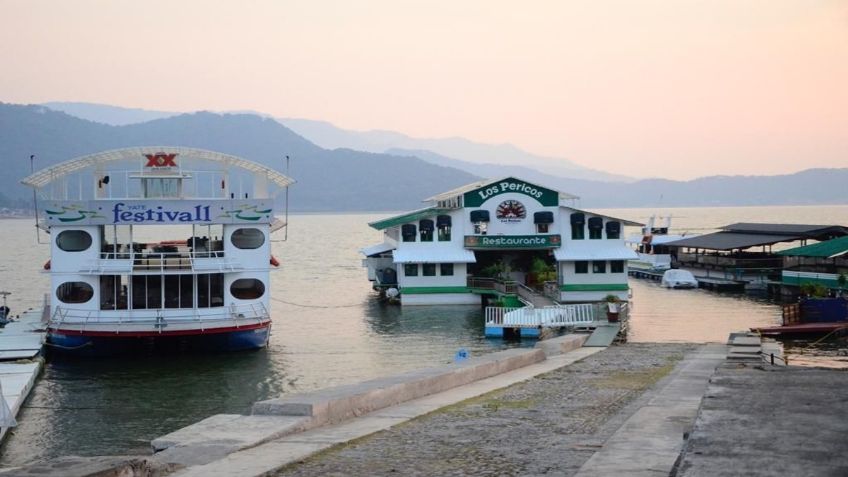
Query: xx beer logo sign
x=160 y=159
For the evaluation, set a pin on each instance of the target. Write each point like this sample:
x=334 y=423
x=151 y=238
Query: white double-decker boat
x=158 y=245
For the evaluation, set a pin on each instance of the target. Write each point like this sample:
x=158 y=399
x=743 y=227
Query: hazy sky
x=669 y=88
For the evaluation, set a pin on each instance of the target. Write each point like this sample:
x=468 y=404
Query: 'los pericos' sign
x=546 y=197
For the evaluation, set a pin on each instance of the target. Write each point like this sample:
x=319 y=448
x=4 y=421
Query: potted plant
x=613 y=303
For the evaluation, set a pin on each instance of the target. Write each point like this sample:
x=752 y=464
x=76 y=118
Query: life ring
x=274 y=261
x=47 y=265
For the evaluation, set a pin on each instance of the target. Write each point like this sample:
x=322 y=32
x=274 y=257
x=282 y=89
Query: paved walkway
x=650 y=441
x=274 y=455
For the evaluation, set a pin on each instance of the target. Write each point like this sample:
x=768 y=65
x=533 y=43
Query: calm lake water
x=328 y=330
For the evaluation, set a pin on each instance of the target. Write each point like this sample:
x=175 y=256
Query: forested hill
x=341 y=180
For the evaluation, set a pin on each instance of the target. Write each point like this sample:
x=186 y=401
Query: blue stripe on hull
x=501 y=332
x=104 y=346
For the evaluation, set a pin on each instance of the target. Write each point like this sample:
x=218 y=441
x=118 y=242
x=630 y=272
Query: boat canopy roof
x=46 y=176
x=746 y=235
x=829 y=249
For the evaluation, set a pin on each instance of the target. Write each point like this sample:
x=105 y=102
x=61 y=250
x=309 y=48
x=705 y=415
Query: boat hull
x=107 y=344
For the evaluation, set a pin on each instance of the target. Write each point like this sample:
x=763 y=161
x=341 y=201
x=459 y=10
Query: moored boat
x=679 y=279
x=161 y=246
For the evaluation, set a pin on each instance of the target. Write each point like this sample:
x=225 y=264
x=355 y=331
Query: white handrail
x=549 y=316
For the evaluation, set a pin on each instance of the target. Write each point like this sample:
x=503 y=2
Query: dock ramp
x=603 y=335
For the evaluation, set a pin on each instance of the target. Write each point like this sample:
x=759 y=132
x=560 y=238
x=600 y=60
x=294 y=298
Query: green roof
x=828 y=249
x=408 y=217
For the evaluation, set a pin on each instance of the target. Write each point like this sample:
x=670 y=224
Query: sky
x=644 y=88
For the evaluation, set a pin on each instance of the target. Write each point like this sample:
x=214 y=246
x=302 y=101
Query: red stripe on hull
x=132 y=334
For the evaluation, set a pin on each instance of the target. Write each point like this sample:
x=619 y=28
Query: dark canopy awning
x=443 y=221
x=479 y=216
x=543 y=217
x=731 y=240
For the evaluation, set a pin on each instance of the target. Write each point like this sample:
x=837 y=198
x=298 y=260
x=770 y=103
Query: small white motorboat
x=679 y=279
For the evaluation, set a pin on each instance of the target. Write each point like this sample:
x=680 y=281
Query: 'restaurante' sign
x=546 y=197
x=478 y=242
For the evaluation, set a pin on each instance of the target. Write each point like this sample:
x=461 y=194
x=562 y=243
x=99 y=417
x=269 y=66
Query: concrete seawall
x=219 y=435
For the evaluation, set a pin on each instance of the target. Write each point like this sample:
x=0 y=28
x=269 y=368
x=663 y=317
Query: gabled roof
x=829 y=249
x=625 y=222
x=408 y=217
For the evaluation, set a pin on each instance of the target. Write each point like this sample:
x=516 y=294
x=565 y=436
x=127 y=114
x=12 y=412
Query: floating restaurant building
x=505 y=240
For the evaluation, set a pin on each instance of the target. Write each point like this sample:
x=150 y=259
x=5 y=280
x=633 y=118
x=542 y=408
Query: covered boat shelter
x=819 y=263
x=730 y=247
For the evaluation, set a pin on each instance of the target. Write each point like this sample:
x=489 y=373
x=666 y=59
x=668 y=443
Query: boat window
x=613 y=230
x=247 y=289
x=429 y=270
x=617 y=266
x=581 y=266
x=599 y=266
x=596 y=228
x=210 y=290
x=247 y=239
x=443 y=223
x=426 y=227
x=74 y=292
x=578 y=230
x=73 y=240
x=146 y=292
x=447 y=269
x=408 y=232
x=410 y=269
x=179 y=291
x=158 y=188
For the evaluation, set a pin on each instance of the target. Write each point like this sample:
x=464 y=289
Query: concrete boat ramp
x=21 y=342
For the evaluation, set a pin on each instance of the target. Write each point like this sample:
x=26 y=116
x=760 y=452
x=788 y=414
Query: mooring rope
x=315 y=306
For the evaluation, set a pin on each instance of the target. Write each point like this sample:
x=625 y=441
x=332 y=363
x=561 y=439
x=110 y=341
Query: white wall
x=458 y=279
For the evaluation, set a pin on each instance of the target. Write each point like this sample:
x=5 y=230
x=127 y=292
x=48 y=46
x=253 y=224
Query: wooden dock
x=21 y=342
x=708 y=283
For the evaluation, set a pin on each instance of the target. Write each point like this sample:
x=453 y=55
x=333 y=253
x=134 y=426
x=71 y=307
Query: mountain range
x=343 y=179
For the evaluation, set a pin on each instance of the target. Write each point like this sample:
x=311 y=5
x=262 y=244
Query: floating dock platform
x=21 y=342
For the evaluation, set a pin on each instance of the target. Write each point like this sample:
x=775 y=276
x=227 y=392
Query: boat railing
x=160 y=317
x=163 y=262
x=549 y=316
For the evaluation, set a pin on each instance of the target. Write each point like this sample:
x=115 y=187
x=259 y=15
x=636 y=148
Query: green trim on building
x=798 y=281
x=594 y=287
x=408 y=217
x=433 y=290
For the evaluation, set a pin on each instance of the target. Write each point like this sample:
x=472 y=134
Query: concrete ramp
x=603 y=335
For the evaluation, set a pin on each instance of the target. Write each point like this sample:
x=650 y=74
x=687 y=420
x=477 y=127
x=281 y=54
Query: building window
x=480 y=220
x=542 y=228
x=74 y=292
x=581 y=267
x=408 y=232
x=443 y=224
x=410 y=269
x=616 y=266
x=599 y=266
x=447 y=269
x=73 y=240
x=247 y=289
x=578 y=222
x=429 y=269
x=426 y=227
x=613 y=230
x=247 y=239
x=596 y=228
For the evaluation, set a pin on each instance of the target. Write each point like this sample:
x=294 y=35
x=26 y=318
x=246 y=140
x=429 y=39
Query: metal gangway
x=555 y=316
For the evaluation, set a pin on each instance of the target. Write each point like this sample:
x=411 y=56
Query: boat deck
x=803 y=329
